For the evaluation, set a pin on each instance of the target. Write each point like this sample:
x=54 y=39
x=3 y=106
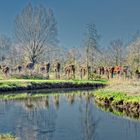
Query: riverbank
x=22 y=84
x=121 y=95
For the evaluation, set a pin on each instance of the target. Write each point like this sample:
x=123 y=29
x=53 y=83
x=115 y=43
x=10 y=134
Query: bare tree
x=72 y=54
x=35 y=28
x=16 y=56
x=5 y=45
x=117 y=50
x=91 y=45
x=134 y=53
x=106 y=58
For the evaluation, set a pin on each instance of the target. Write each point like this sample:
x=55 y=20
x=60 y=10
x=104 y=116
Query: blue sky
x=113 y=18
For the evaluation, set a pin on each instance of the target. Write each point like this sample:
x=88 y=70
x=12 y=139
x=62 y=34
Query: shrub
x=94 y=76
x=32 y=75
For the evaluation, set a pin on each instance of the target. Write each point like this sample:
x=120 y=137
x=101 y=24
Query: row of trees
x=36 y=41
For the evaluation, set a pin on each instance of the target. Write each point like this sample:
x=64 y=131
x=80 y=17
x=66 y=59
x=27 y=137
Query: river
x=69 y=115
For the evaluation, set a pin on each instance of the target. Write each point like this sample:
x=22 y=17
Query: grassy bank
x=7 y=137
x=116 y=96
x=121 y=96
x=22 y=84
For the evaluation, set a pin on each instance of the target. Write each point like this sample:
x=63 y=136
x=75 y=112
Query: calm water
x=69 y=116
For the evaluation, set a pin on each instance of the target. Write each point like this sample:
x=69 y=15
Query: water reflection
x=120 y=112
x=71 y=99
x=63 y=116
x=56 y=101
x=88 y=119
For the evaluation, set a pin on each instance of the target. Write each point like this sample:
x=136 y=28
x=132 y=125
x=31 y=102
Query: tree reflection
x=37 y=122
x=56 y=101
x=47 y=102
x=29 y=104
x=71 y=98
x=88 y=121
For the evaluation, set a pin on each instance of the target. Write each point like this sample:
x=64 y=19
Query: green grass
x=7 y=137
x=24 y=83
x=117 y=96
x=54 y=81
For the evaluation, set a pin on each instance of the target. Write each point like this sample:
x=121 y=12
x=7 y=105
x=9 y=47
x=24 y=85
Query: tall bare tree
x=91 y=45
x=35 y=29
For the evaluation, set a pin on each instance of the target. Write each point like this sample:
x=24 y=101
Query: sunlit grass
x=116 y=95
x=26 y=82
x=119 y=89
x=7 y=137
